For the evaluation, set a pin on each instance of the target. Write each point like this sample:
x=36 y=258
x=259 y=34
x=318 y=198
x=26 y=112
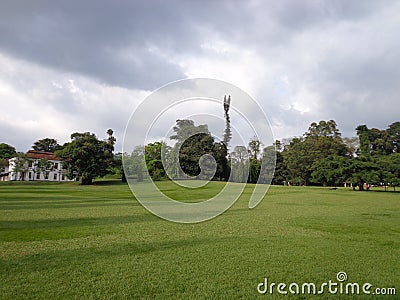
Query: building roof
x=41 y=154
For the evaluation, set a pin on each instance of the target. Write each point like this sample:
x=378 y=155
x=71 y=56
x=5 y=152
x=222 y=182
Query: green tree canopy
x=3 y=165
x=378 y=142
x=323 y=128
x=134 y=164
x=86 y=156
x=255 y=164
x=47 y=145
x=364 y=169
x=254 y=147
x=185 y=129
x=193 y=142
x=320 y=141
x=239 y=159
x=281 y=171
x=154 y=164
x=333 y=170
x=394 y=133
x=389 y=167
x=7 y=151
x=220 y=153
x=192 y=150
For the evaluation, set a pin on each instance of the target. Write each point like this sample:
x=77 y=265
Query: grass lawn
x=71 y=241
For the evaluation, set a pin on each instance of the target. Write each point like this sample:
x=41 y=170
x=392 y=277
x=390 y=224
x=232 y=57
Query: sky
x=69 y=66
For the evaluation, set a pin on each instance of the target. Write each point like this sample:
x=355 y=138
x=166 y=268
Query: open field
x=72 y=241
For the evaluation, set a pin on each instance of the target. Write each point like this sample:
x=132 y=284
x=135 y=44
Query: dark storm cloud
x=340 y=57
x=107 y=40
x=112 y=41
x=343 y=52
x=125 y=43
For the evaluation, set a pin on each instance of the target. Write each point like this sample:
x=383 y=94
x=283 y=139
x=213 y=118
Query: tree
x=254 y=163
x=380 y=142
x=281 y=171
x=40 y=166
x=333 y=170
x=7 y=151
x=153 y=159
x=352 y=144
x=134 y=164
x=320 y=141
x=3 y=165
x=278 y=145
x=389 y=167
x=394 y=133
x=364 y=169
x=254 y=170
x=20 y=165
x=220 y=153
x=227 y=133
x=377 y=142
x=268 y=165
x=299 y=158
x=192 y=149
x=86 y=156
x=116 y=166
x=254 y=147
x=362 y=132
x=323 y=128
x=47 y=145
x=172 y=163
x=186 y=128
x=193 y=142
x=239 y=160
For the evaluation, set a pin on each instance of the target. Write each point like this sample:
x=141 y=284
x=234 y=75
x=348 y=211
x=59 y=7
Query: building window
x=55 y=166
x=62 y=177
x=30 y=175
x=30 y=164
x=38 y=175
x=46 y=175
x=55 y=176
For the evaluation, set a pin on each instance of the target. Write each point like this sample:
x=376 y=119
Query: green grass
x=71 y=241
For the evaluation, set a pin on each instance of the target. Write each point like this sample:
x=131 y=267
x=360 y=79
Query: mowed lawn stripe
x=98 y=242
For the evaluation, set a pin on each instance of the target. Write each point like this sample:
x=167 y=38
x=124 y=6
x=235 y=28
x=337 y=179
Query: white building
x=36 y=165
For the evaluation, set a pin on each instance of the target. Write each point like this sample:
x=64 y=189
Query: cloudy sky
x=68 y=66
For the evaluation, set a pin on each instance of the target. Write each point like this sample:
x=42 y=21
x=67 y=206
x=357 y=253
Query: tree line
x=322 y=157
x=319 y=157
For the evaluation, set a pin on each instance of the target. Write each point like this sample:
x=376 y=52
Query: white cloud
x=303 y=61
x=38 y=102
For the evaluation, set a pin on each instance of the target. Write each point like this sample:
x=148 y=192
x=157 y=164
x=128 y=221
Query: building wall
x=57 y=173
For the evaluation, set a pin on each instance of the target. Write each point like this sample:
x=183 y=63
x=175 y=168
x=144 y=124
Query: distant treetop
x=7 y=151
x=46 y=145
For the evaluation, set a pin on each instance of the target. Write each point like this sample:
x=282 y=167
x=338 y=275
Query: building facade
x=36 y=165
